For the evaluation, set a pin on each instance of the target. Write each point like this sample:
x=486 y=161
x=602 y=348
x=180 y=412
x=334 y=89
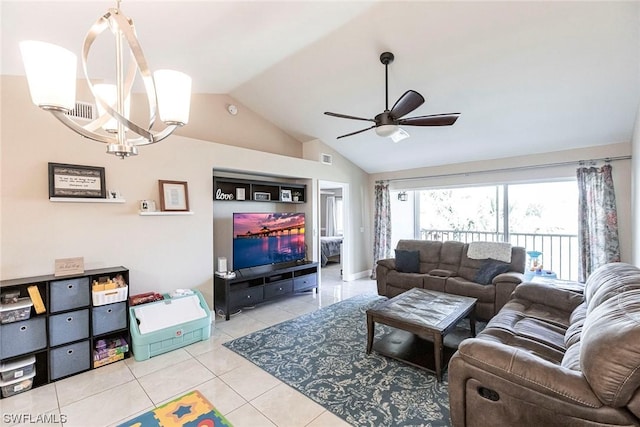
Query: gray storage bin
x=68 y=327
x=111 y=317
x=70 y=359
x=69 y=293
x=23 y=337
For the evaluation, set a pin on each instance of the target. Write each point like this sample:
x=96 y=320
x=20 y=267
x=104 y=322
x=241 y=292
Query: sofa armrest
x=547 y=294
x=382 y=268
x=389 y=263
x=509 y=277
x=524 y=369
x=505 y=284
x=438 y=272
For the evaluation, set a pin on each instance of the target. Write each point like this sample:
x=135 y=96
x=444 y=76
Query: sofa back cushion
x=608 y=281
x=469 y=267
x=429 y=252
x=610 y=348
x=518 y=259
x=450 y=256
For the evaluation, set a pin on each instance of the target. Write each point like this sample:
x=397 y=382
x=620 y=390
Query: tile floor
x=245 y=394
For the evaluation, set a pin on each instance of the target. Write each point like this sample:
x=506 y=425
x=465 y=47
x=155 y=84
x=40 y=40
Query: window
x=538 y=216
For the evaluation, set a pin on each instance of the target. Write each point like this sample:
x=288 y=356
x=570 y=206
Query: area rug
x=322 y=355
x=190 y=410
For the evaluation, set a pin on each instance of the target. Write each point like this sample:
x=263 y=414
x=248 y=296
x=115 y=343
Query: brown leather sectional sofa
x=445 y=267
x=553 y=358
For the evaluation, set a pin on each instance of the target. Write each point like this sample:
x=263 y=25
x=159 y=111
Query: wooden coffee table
x=420 y=317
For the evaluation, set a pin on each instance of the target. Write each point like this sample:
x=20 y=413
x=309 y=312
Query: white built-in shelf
x=166 y=213
x=82 y=200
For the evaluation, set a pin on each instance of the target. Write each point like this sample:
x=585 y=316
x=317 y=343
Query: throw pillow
x=407 y=261
x=489 y=270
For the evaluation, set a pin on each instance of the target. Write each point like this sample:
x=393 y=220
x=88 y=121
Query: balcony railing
x=559 y=251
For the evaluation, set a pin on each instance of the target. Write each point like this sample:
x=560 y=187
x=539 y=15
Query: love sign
x=223 y=196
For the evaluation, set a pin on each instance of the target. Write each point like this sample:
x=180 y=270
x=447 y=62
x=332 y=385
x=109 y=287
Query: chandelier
x=51 y=74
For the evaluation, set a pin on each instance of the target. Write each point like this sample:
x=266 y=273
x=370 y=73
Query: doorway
x=333 y=208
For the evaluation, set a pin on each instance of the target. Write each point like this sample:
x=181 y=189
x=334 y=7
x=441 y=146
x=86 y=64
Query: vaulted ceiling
x=527 y=77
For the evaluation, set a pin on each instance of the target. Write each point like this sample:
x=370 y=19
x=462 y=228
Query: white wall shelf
x=166 y=213
x=81 y=200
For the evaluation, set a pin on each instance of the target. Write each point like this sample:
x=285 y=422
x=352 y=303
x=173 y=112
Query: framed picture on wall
x=285 y=195
x=174 y=196
x=76 y=181
x=261 y=196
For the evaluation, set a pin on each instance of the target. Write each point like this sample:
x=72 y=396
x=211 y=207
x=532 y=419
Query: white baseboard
x=356 y=276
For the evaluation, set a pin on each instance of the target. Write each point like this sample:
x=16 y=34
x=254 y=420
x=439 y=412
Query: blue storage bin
x=23 y=337
x=70 y=359
x=111 y=317
x=69 y=294
x=68 y=327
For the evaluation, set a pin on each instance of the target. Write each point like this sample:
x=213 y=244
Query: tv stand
x=255 y=285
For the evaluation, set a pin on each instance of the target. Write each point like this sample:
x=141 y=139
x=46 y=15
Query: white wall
x=516 y=169
x=162 y=253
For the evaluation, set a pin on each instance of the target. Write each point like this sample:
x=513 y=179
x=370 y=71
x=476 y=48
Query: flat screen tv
x=267 y=238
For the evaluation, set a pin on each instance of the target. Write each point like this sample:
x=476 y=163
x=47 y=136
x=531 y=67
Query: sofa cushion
x=469 y=267
x=532 y=329
x=429 y=252
x=610 y=348
x=404 y=280
x=571 y=358
x=608 y=281
x=467 y=288
x=450 y=256
x=574 y=330
x=407 y=261
x=490 y=268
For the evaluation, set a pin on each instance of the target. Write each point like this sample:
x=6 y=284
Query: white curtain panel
x=331 y=216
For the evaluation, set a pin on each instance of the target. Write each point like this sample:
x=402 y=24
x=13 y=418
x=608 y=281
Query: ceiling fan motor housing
x=384 y=119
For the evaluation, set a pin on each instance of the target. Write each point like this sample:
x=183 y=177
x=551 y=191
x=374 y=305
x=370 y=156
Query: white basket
x=109 y=296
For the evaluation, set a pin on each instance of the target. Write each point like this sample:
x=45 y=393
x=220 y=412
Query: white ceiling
x=528 y=77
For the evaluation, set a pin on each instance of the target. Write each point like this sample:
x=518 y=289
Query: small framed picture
x=76 y=181
x=174 y=196
x=263 y=197
x=285 y=195
x=239 y=193
x=147 y=206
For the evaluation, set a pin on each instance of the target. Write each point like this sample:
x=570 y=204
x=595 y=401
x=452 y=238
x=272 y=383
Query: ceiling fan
x=387 y=123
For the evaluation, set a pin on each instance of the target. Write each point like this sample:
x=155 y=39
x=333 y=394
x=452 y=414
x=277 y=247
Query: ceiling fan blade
x=408 y=102
x=344 y=116
x=356 y=132
x=432 y=120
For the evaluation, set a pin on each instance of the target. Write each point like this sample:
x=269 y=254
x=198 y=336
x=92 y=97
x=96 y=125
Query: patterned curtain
x=598 y=220
x=381 y=224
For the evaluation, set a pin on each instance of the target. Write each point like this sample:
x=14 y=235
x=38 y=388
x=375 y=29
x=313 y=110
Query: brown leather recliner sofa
x=445 y=267
x=553 y=358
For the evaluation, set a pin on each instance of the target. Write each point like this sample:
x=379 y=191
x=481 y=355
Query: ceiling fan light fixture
x=399 y=135
x=386 y=130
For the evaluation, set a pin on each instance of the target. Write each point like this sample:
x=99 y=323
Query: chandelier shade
x=173 y=89
x=51 y=74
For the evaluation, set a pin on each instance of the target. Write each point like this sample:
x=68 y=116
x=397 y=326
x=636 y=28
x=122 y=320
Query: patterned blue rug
x=322 y=355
